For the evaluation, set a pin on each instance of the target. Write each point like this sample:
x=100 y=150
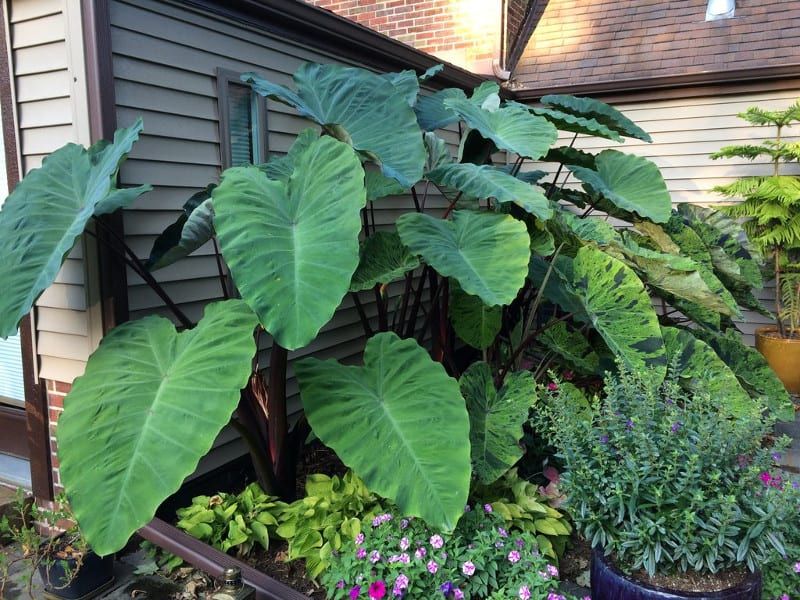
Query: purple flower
x=436 y=541
x=361 y=553
x=374 y=556
x=552 y=570
x=765 y=477
x=629 y=424
x=377 y=590
x=340 y=584
x=400 y=584
x=499 y=544
x=359 y=539
x=487 y=508
x=355 y=592
x=524 y=593
x=458 y=594
x=420 y=553
x=587 y=598
x=676 y=426
x=432 y=567
x=554 y=596
x=604 y=439
x=404 y=543
x=796 y=485
x=520 y=543
x=797 y=567
x=404 y=524
x=785 y=597
x=446 y=588
x=776 y=456
x=400 y=558
x=513 y=556
x=468 y=568
x=502 y=532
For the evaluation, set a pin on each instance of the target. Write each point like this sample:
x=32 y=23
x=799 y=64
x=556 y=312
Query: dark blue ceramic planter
x=608 y=583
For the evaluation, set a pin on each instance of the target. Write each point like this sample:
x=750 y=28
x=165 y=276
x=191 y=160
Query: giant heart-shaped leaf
x=473 y=321
x=487 y=182
x=399 y=422
x=496 y=418
x=292 y=247
x=281 y=168
x=752 y=370
x=384 y=258
x=630 y=182
x=700 y=368
x=566 y=121
x=148 y=408
x=601 y=112
x=48 y=210
x=193 y=228
x=360 y=108
x=431 y=110
x=510 y=128
x=619 y=308
x=486 y=253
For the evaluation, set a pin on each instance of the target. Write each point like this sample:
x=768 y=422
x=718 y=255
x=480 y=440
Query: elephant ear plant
x=298 y=234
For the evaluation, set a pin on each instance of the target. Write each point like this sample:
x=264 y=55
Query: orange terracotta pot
x=783 y=355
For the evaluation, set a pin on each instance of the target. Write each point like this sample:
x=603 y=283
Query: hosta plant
x=482 y=253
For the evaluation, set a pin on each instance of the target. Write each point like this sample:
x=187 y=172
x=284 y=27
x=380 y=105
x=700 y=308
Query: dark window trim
x=226 y=77
x=35 y=417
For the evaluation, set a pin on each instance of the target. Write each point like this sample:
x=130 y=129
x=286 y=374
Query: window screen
x=12 y=390
x=242 y=120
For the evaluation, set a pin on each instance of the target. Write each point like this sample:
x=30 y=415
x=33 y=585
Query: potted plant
x=675 y=495
x=68 y=568
x=771 y=209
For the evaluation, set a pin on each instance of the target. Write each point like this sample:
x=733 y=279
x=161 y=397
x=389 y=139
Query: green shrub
x=659 y=478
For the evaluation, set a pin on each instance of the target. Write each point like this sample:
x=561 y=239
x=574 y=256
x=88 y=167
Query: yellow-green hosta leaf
x=292 y=246
x=379 y=419
x=486 y=253
x=43 y=217
x=148 y=408
x=496 y=418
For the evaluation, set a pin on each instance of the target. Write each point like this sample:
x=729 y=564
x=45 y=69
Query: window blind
x=11 y=386
x=241 y=125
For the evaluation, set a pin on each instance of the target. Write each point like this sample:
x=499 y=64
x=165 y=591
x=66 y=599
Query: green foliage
x=601 y=112
x=48 y=210
x=473 y=321
x=307 y=231
x=664 y=481
x=384 y=408
x=326 y=519
x=572 y=347
x=496 y=418
x=790 y=300
x=404 y=557
x=233 y=521
x=135 y=412
x=383 y=258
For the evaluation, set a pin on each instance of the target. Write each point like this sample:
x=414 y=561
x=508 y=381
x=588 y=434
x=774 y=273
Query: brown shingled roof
x=578 y=43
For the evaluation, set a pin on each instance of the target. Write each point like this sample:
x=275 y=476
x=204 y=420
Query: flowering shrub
x=397 y=558
x=781 y=571
x=661 y=479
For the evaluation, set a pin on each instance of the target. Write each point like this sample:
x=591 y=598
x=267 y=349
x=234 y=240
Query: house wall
x=164 y=61
x=685 y=130
x=464 y=32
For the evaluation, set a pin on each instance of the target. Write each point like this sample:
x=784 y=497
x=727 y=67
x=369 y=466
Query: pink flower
x=468 y=568
x=524 y=593
x=374 y=556
x=765 y=478
x=552 y=570
x=420 y=553
x=359 y=539
x=797 y=567
x=377 y=590
x=436 y=541
x=355 y=592
x=404 y=543
x=785 y=597
x=552 y=386
x=513 y=556
x=554 y=596
x=487 y=508
x=458 y=594
x=361 y=553
x=432 y=567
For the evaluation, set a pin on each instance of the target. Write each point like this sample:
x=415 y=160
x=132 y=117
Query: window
x=12 y=390
x=242 y=122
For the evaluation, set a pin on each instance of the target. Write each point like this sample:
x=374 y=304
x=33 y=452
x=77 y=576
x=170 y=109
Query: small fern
x=790 y=298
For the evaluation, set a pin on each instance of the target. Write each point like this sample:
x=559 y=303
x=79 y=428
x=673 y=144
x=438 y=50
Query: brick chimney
x=469 y=33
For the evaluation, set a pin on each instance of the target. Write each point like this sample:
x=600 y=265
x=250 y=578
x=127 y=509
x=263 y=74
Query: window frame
x=258 y=108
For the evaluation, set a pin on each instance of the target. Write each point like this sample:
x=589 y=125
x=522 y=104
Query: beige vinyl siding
x=165 y=56
x=685 y=131
x=47 y=65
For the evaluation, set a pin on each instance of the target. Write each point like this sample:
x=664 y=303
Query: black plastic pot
x=95 y=575
x=608 y=583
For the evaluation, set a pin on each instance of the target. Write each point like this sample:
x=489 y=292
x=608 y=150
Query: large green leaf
x=486 y=253
x=379 y=186
x=399 y=422
x=438 y=154
x=406 y=83
x=487 y=182
x=572 y=347
x=292 y=247
x=511 y=128
x=473 y=321
x=628 y=181
x=193 y=228
x=360 y=108
x=620 y=309
x=48 y=210
x=384 y=258
x=148 y=408
x=601 y=112
x=432 y=112
x=559 y=288
x=496 y=418
x=699 y=368
x=752 y=370
x=566 y=121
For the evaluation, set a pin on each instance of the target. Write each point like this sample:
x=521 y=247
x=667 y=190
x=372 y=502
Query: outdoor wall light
x=720 y=9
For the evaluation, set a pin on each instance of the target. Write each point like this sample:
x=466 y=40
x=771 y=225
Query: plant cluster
x=404 y=557
x=233 y=521
x=485 y=255
x=30 y=530
x=770 y=207
x=668 y=480
x=781 y=570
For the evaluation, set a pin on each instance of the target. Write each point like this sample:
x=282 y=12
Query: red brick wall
x=464 y=32
x=56 y=391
